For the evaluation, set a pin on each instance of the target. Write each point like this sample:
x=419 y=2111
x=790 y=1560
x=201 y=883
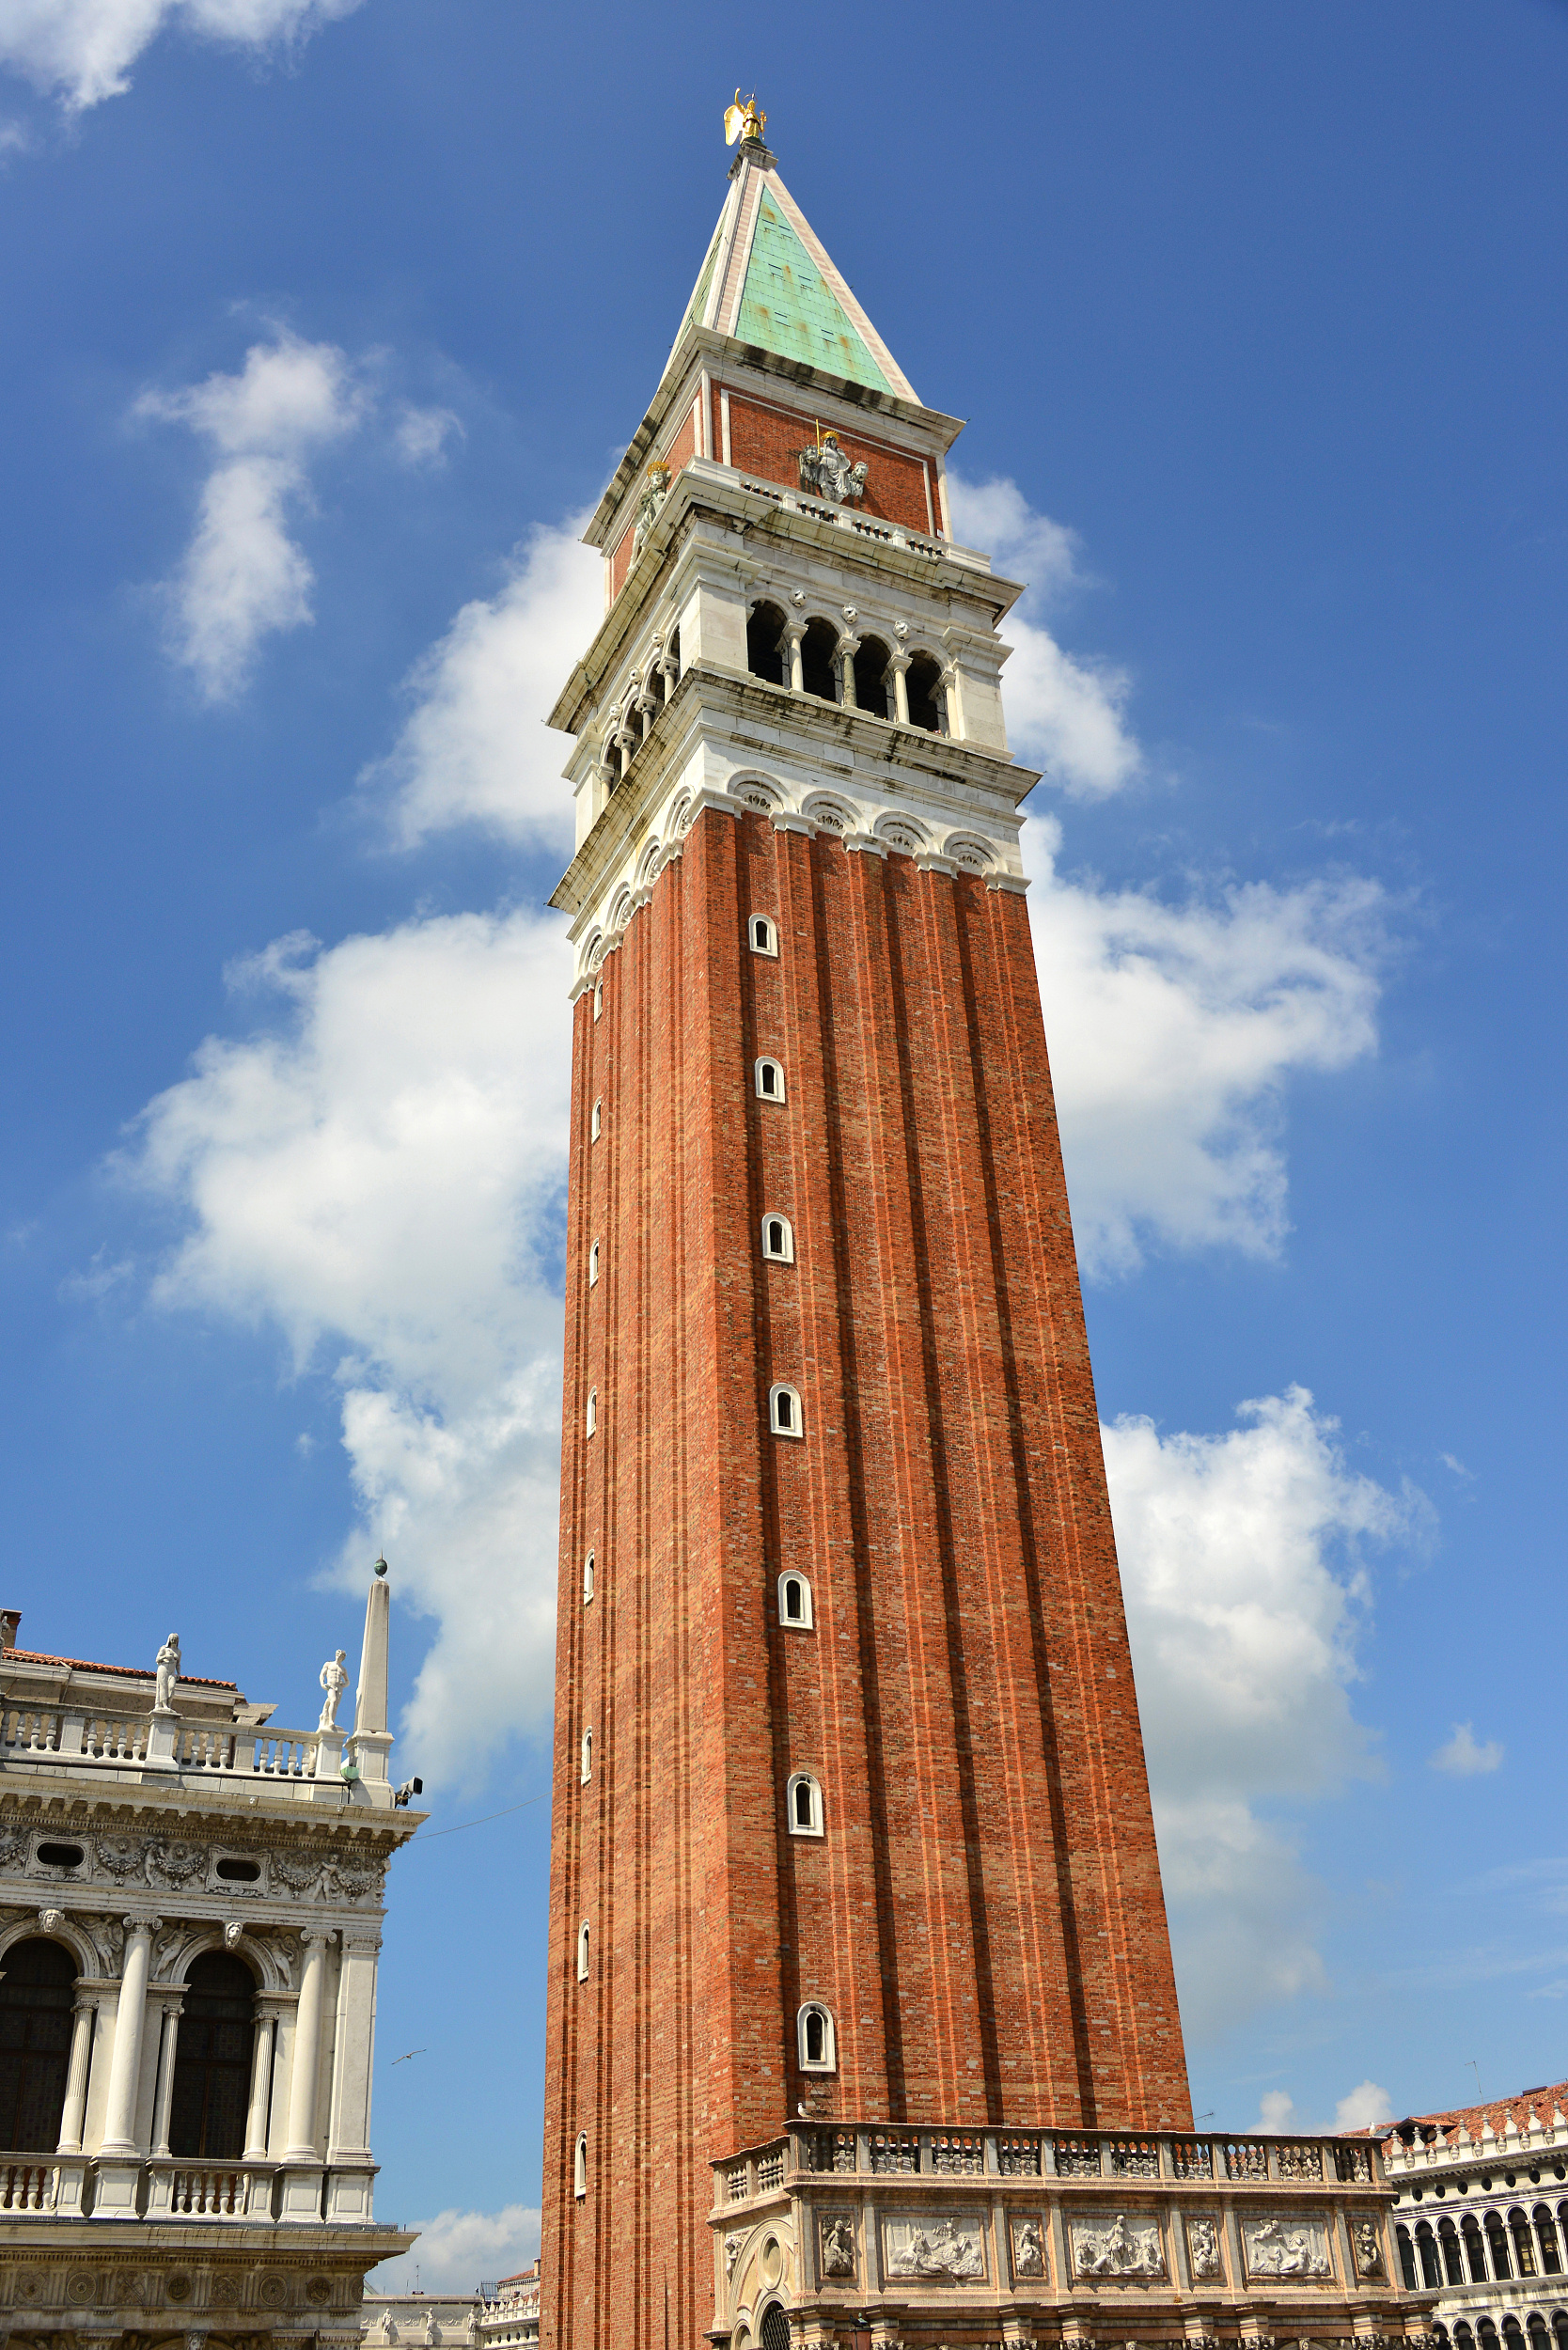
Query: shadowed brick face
x=983 y=1915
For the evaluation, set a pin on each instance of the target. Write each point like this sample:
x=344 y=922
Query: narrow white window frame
x=583 y=1951
x=828 y=2060
x=761 y=933
x=785 y=1417
x=596 y=1119
x=768 y=1077
x=593 y=1266
x=803 y=1783
x=579 y=2167
x=785 y=1253
x=598 y=998
x=588 y=1577
x=803 y=1618
x=585 y=1761
x=591 y=1417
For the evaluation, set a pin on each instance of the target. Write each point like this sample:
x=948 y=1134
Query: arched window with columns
x=1426 y=2247
x=38 y=1991
x=212 y=2059
x=1454 y=2259
x=1546 y=2236
x=1497 y=2244
x=1475 y=2251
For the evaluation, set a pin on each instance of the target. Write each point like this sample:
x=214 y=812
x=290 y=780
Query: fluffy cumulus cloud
x=1246 y=1600
x=1174 y=1030
x=82 y=51
x=243 y=577
x=1067 y=712
x=457 y=2248
x=1363 y=2107
x=474 y=748
x=1464 y=1756
x=377 y=1171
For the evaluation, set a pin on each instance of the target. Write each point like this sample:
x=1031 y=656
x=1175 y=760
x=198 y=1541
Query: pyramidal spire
x=768 y=280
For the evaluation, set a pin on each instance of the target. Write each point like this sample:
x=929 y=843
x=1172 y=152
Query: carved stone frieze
x=13 y=1847
x=1367 y=2247
x=1295 y=2246
x=1029 y=2247
x=928 y=2249
x=1114 y=2247
x=838 y=2245
x=299 y=1871
x=1203 y=2256
x=121 y=1857
x=170 y=1861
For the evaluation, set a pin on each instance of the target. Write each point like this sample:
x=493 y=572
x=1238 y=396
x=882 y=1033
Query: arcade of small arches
x=1532 y=2335
x=1494 y=2246
x=827 y=661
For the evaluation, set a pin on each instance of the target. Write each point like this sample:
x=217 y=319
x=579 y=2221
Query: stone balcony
x=42 y=1741
x=880 y=2229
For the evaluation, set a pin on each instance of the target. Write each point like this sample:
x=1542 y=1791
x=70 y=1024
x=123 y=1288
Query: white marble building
x=190 y=1922
x=1482 y=2216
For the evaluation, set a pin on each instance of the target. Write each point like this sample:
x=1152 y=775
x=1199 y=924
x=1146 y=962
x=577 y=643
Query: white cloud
x=421 y=434
x=1066 y=713
x=101 y=1276
x=380 y=1175
x=457 y=2248
x=1276 y=2112
x=1364 y=2108
x=474 y=748
x=1245 y=1601
x=82 y=51
x=1462 y=1757
x=243 y=577
x=1173 y=1030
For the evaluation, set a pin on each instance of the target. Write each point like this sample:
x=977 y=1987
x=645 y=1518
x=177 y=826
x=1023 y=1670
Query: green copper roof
x=786 y=307
x=696 y=307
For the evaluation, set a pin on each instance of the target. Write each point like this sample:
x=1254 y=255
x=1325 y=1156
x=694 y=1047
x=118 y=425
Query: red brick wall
x=984 y=1915
x=766 y=441
x=680 y=453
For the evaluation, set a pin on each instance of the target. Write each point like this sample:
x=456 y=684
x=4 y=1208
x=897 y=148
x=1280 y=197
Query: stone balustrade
x=161 y=2188
x=37 y=1739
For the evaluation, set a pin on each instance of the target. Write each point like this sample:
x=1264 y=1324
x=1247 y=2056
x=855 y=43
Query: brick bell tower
x=853 y=1872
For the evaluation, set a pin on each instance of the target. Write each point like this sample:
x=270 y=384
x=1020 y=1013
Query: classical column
x=119 y=2119
x=349 y=2129
x=305 y=2074
x=164 y=2096
x=794 y=635
x=846 y=648
x=83 y=2016
x=950 y=684
x=261 y=2081
x=898 y=668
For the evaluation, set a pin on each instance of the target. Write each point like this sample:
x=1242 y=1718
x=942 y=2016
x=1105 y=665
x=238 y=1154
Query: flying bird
x=412 y=2052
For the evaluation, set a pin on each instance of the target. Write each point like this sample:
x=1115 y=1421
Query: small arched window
x=598 y=998
x=588 y=1756
x=596 y=1121
x=1475 y=2251
x=1546 y=2231
x=593 y=1266
x=1428 y=2251
x=818 y=659
x=1524 y=2245
x=1407 y=2257
x=583 y=1951
x=579 y=2167
x=778 y=1239
x=1496 y=2242
x=814 y=2028
x=1448 y=2243
x=794 y=1603
x=587 y=1579
x=764 y=654
x=770 y=1079
x=923 y=684
x=593 y=1416
x=784 y=1413
x=803 y=1804
x=870 y=678
x=763 y=934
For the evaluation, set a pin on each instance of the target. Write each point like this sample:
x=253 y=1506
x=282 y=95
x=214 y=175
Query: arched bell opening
x=764 y=655
x=870 y=678
x=924 y=685
x=817 y=661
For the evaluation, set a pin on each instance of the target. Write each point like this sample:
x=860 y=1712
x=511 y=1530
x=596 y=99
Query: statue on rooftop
x=826 y=471
x=335 y=1680
x=168 y=1674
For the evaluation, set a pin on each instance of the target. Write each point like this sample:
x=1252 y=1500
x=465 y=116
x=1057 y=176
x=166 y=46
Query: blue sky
x=324 y=325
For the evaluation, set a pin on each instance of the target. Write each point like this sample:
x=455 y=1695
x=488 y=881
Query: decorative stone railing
x=66 y=2186
x=861 y=526
x=1106 y=2157
x=40 y=1738
x=1514 y=2142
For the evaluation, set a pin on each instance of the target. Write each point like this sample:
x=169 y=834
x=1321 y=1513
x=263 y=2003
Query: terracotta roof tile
x=128 y=1673
x=1543 y=2102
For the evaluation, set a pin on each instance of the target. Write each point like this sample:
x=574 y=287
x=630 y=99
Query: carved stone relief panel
x=836 y=2246
x=926 y=2247
x=1031 y=2261
x=1368 y=2246
x=1110 y=2245
x=1295 y=2246
x=1205 y=2257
